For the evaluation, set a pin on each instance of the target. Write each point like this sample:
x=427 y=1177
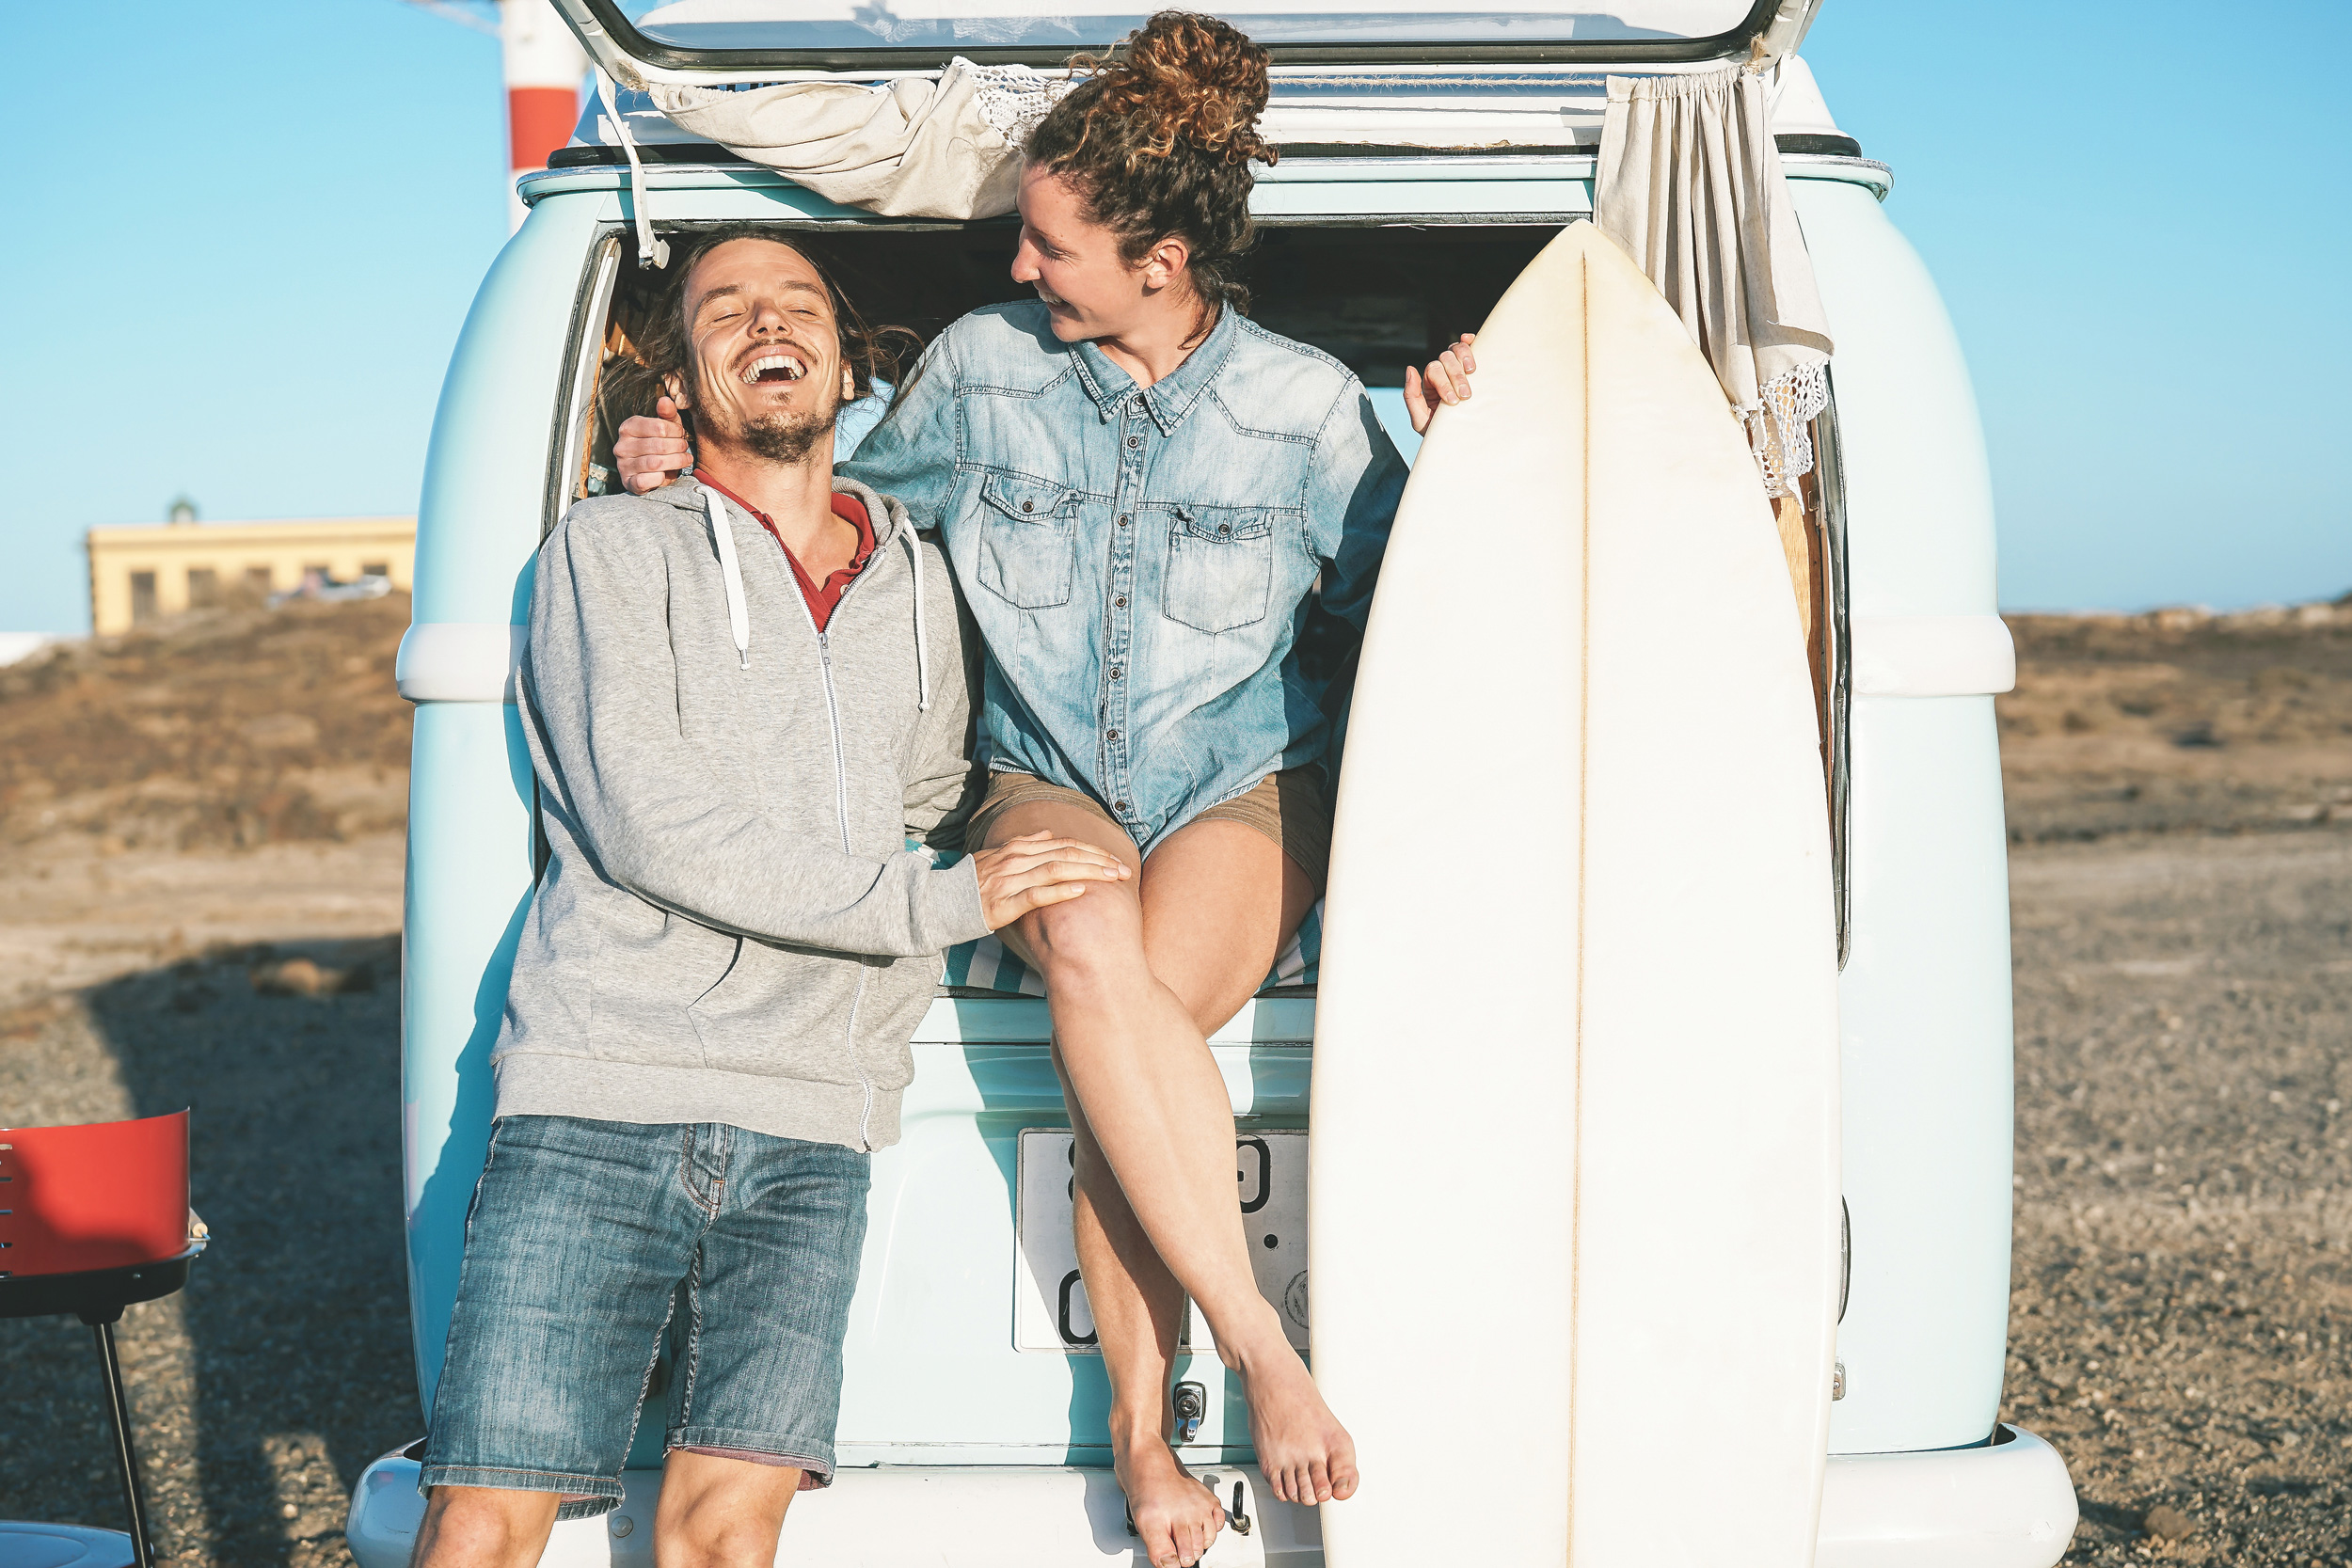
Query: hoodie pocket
x=1028 y=541
x=735 y=958
x=781 y=1012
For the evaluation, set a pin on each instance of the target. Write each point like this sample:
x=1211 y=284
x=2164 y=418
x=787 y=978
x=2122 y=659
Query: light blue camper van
x=1428 y=154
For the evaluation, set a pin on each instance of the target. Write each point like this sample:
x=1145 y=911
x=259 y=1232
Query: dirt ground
x=263 y=1389
x=199 y=897
x=2182 y=1292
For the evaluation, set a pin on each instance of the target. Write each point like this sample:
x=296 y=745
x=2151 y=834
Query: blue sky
x=2137 y=211
x=259 y=222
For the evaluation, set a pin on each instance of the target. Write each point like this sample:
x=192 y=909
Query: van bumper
x=2007 y=1504
x=971 y=1516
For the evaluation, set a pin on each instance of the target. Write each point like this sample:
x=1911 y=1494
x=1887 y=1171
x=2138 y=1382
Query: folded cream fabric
x=1690 y=184
x=911 y=148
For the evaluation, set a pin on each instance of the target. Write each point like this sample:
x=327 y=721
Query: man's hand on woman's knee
x=1037 y=870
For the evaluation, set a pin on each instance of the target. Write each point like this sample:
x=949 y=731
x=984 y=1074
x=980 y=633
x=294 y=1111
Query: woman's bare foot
x=1307 y=1457
x=1175 y=1516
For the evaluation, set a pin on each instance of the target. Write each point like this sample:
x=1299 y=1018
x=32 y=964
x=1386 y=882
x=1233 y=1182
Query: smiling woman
x=1111 y=147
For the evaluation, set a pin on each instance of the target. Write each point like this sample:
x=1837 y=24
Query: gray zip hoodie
x=730 y=927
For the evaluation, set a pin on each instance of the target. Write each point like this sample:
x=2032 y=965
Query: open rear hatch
x=714 y=42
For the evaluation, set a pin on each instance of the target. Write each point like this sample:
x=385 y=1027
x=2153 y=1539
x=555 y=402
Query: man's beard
x=785 y=437
x=777 y=438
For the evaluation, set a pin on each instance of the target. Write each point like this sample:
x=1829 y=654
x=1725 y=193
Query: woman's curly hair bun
x=1158 y=137
x=1186 y=78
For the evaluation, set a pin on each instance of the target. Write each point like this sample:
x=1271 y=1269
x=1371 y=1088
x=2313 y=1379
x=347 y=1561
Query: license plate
x=1050 y=1311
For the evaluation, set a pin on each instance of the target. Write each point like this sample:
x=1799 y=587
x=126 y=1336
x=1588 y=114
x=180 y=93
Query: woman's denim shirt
x=1140 y=560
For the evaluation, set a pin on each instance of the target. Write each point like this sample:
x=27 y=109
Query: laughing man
x=745 y=692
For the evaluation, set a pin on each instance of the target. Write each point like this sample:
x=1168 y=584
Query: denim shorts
x=589 y=1243
x=1289 y=807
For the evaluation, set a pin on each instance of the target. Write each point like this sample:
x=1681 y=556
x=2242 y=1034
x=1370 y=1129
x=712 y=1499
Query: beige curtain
x=911 y=147
x=1690 y=184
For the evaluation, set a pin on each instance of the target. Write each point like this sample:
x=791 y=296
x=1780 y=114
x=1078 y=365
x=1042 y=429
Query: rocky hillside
x=228 y=728
x=248 y=726
x=2179 y=722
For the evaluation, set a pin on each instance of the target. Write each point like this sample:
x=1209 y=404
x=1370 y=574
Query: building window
x=142 y=598
x=258 y=579
x=376 y=569
x=323 y=576
x=203 y=588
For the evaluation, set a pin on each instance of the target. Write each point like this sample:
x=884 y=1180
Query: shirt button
x=1118 y=806
x=1117 y=672
x=1113 y=736
x=1134 y=442
x=1221 y=528
x=1121 y=601
x=1028 y=506
x=1125 y=519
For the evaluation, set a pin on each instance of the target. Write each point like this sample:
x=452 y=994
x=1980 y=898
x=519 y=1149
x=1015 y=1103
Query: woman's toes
x=1175 y=1517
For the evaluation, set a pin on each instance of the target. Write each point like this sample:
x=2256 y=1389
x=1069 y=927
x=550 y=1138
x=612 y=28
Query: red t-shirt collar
x=821 y=596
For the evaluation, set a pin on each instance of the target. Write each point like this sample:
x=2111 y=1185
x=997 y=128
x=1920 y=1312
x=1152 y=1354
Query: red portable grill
x=94 y=1218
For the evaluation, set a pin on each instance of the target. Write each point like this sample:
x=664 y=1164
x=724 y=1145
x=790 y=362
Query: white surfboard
x=1573 y=1190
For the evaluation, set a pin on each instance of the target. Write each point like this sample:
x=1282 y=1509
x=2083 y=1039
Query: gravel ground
x=2182 y=1290
x=186 y=808
x=263 y=1389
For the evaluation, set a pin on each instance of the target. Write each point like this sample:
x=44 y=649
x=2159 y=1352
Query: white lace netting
x=1778 y=425
x=1014 y=98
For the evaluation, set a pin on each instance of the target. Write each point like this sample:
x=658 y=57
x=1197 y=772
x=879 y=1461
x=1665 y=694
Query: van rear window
x=944 y=24
x=1374 y=299
x=730 y=40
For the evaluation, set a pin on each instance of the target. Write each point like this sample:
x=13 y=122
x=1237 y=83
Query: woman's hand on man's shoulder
x=649 y=448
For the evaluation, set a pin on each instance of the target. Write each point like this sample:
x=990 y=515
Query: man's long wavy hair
x=665 y=345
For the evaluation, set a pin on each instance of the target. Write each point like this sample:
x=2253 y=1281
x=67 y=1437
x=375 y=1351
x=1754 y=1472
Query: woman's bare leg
x=1216 y=899
x=1136 y=1301
x=1138 y=1307
x=1219 y=901
x=1249 y=898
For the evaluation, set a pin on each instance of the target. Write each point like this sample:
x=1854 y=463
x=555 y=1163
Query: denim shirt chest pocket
x=1220 y=566
x=1028 y=540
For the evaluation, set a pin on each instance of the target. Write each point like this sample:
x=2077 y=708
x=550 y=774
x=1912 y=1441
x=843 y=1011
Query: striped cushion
x=985 y=964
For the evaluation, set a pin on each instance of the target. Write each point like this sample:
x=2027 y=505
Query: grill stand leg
x=126 y=1457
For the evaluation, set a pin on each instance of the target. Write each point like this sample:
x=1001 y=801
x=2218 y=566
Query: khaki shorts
x=1287 y=807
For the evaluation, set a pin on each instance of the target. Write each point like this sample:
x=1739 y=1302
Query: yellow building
x=143 y=572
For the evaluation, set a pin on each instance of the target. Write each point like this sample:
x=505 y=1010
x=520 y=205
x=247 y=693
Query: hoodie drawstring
x=738 y=611
x=922 y=651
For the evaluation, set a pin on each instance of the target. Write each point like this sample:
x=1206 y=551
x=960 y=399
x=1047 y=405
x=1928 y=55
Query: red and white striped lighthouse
x=544 y=68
